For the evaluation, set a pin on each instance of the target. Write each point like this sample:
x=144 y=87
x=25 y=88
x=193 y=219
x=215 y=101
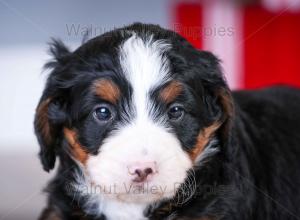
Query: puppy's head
x=135 y=106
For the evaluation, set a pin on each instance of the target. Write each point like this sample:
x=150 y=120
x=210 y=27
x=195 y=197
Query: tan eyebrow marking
x=171 y=91
x=77 y=150
x=203 y=138
x=107 y=90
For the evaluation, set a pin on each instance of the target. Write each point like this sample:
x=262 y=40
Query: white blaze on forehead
x=145 y=68
x=142 y=140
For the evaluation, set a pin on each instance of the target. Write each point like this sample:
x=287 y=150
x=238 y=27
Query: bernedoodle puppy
x=145 y=127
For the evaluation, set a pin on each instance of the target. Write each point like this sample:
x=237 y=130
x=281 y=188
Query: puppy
x=145 y=127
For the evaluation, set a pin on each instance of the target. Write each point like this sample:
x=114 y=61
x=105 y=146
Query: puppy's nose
x=142 y=171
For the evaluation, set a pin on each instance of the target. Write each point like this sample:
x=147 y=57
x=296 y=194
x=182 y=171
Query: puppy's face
x=134 y=111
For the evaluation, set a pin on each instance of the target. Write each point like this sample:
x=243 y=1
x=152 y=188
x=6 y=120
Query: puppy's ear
x=216 y=85
x=51 y=111
x=217 y=95
x=225 y=101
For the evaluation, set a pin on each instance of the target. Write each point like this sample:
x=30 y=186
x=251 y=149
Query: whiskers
x=84 y=194
x=187 y=189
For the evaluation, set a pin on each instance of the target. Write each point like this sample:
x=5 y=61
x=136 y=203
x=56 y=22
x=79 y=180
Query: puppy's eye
x=175 y=112
x=102 y=113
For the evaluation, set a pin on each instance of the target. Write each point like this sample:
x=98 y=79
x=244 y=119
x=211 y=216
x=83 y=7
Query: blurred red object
x=271 y=47
x=269 y=38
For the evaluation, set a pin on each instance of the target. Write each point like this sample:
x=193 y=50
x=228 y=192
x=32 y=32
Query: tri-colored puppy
x=145 y=127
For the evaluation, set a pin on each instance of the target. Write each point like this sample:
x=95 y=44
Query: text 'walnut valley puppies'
x=145 y=127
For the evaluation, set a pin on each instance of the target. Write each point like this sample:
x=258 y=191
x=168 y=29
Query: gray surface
x=22 y=182
x=32 y=21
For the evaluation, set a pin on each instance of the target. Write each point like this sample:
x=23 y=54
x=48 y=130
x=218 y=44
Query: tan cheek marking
x=203 y=139
x=107 y=90
x=78 y=152
x=43 y=121
x=171 y=91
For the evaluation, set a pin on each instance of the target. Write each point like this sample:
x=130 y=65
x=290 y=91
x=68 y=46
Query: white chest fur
x=114 y=210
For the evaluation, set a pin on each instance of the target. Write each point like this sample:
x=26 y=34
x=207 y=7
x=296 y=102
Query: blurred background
x=257 y=41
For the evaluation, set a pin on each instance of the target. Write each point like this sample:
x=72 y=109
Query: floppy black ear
x=215 y=84
x=50 y=112
x=215 y=90
x=224 y=99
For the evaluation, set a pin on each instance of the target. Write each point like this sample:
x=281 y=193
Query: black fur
x=256 y=173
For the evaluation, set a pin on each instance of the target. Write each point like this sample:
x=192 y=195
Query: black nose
x=141 y=174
